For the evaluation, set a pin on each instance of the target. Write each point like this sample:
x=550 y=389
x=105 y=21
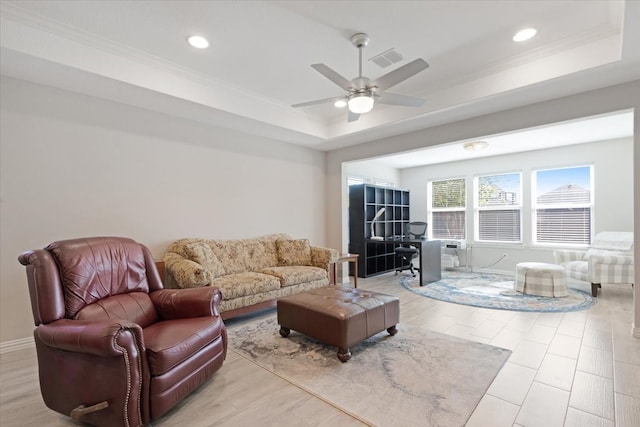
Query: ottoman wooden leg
x=594 y=289
x=344 y=354
x=284 y=331
x=392 y=330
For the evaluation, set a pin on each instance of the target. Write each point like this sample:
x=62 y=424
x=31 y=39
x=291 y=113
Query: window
x=448 y=204
x=563 y=203
x=498 y=208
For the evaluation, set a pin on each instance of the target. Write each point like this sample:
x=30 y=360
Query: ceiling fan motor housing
x=360 y=40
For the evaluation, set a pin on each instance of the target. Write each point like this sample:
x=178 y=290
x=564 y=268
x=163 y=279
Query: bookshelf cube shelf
x=364 y=202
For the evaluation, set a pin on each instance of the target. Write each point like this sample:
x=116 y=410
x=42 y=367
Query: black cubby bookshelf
x=364 y=201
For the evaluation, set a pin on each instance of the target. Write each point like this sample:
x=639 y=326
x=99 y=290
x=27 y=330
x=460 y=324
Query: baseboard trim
x=15 y=345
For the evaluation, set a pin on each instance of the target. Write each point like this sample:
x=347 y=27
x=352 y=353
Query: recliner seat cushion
x=169 y=343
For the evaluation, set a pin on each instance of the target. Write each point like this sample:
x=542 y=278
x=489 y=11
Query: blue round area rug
x=494 y=291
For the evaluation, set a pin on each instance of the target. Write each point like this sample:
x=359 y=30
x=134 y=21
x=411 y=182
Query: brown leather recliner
x=115 y=348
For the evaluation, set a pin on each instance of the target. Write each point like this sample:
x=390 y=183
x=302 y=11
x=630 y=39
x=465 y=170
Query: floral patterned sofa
x=252 y=273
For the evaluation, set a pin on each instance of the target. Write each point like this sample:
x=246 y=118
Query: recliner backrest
x=95 y=269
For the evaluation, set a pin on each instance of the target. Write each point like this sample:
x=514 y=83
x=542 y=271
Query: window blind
x=498 y=205
x=448 y=204
x=563 y=205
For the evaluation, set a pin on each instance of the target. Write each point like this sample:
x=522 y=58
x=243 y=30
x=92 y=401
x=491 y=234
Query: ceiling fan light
x=360 y=103
x=340 y=103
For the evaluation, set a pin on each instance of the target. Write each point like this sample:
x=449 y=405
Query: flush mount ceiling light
x=525 y=34
x=340 y=103
x=475 y=145
x=198 y=42
x=360 y=103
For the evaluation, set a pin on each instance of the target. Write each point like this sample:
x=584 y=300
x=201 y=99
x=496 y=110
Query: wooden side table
x=345 y=258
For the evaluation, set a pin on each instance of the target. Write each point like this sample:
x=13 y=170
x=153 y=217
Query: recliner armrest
x=100 y=338
x=184 y=303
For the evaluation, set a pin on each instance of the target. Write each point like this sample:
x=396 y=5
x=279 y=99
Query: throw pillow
x=202 y=254
x=293 y=252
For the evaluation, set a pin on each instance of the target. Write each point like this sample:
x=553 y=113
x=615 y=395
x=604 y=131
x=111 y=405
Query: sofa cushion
x=248 y=283
x=201 y=253
x=293 y=252
x=294 y=275
x=238 y=256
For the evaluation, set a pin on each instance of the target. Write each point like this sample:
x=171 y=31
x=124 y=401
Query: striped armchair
x=610 y=260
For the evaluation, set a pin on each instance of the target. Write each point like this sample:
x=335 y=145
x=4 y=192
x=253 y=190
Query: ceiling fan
x=363 y=92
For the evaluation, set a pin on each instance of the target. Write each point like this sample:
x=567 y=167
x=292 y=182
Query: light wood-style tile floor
x=567 y=369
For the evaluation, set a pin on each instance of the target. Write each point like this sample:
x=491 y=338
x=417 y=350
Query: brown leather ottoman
x=338 y=315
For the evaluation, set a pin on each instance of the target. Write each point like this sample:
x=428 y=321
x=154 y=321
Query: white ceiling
x=590 y=129
x=258 y=63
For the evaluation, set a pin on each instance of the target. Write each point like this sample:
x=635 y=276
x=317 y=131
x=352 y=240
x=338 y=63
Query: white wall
x=373 y=172
x=73 y=166
x=613 y=171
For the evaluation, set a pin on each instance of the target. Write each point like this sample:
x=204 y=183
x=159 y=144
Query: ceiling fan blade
x=397 y=99
x=319 y=101
x=352 y=117
x=332 y=75
x=400 y=74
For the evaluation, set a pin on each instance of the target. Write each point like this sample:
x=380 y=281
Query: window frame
x=462 y=209
x=535 y=207
x=477 y=209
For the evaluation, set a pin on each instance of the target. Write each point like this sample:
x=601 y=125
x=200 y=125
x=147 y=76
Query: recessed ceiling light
x=525 y=34
x=340 y=103
x=475 y=145
x=198 y=42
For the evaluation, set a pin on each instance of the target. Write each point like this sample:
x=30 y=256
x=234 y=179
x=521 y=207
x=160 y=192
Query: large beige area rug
x=415 y=378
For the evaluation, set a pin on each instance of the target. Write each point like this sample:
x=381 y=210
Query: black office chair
x=405 y=254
